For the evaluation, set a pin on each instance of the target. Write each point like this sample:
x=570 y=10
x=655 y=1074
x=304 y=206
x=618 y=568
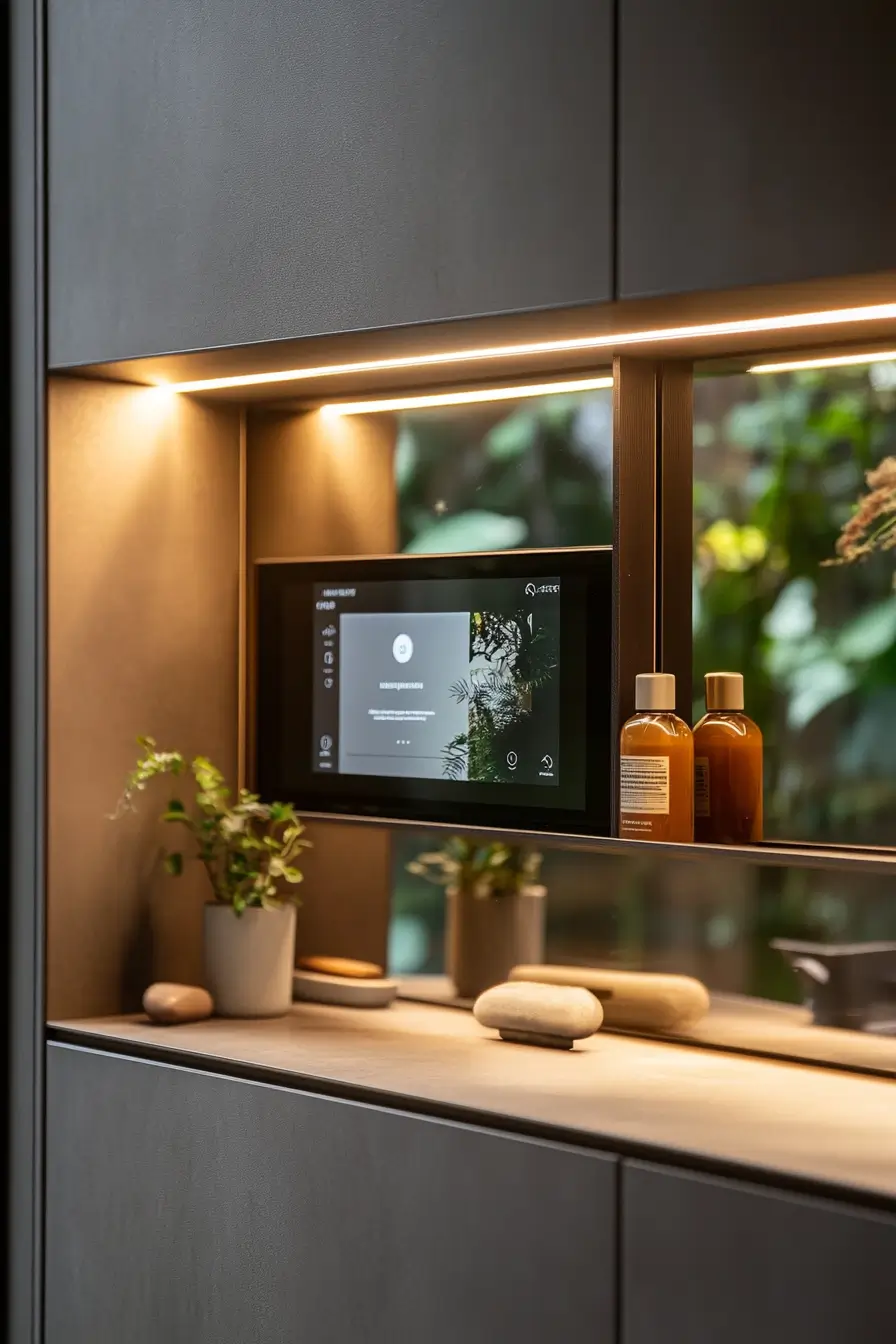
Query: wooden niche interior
x=145 y=539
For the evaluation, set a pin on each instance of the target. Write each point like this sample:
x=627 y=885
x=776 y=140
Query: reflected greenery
x=506 y=474
x=779 y=466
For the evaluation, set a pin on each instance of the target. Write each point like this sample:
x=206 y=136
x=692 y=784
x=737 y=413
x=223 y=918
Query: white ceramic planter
x=249 y=960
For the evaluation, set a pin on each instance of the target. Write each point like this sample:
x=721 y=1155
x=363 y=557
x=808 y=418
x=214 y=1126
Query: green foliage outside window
x=779 y=465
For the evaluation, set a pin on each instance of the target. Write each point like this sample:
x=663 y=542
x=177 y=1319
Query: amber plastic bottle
x=656 y=765
x=727 y=766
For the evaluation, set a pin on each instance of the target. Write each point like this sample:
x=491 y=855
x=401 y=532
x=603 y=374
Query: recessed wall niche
x=155 y=502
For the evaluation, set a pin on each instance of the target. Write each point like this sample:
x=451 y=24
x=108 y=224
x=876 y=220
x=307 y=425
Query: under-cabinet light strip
x=610 y=341
x=478 y=394
x=823 y=362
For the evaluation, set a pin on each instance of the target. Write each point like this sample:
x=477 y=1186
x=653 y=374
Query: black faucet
x=843 y=982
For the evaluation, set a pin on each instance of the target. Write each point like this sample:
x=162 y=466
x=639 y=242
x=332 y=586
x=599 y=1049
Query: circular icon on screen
x=402 y=648
x=530 y=589
x=326 y=742
x=512 y=759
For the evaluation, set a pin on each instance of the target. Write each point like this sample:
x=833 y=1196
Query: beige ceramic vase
x=249 y=960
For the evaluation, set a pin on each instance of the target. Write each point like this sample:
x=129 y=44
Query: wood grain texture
x=782 y=1119
x=324 y=167
x=676 y=530
x=317 y=487
x=186 y=1208
x=635 y=455
x=754 y=143
x=143 y=580
x=705 y=1260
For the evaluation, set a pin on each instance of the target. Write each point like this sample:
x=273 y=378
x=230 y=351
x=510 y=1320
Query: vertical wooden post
x=242 y=612
x=635 y=452
x=675 y=517
x=652 y=533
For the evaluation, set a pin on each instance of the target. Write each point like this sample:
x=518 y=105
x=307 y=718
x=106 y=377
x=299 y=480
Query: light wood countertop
x=616 y=1092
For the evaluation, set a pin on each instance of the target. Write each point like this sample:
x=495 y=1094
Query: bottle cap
x=724 y=690
x=655 y=690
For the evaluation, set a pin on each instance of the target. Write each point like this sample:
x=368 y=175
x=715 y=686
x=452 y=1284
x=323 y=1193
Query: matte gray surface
x=706 y=1260
x=24 y=738
x=222 y=174
x=185 y=1208
x=754 y=142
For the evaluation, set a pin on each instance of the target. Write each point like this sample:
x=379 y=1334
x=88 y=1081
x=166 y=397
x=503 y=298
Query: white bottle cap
x=655 y=691
x=724 y=690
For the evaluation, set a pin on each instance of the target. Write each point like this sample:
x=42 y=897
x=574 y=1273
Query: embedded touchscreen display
x=448 y=679
x=466 y=688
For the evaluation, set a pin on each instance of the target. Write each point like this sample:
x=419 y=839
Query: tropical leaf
x=869 y=634
x=815 y=687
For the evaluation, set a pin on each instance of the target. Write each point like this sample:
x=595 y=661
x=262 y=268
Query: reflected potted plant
x=249 y=850
x=495 y=909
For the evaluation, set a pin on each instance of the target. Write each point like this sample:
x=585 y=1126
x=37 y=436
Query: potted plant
x=249 y=850
x=495 y=909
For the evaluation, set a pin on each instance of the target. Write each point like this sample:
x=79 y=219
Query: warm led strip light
x=823 y=362
x=338 y=408
x=754 y=325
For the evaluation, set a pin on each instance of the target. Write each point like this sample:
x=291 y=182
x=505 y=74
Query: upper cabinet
x=755 y=142
x=222 y=173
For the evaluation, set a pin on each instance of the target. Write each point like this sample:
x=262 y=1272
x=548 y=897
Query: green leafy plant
x=248 y=848
x=518 y=661
x=486 y=870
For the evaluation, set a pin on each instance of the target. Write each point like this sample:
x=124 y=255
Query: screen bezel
x=583 y=801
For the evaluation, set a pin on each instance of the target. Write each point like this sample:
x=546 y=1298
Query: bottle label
x=644 y=784
x=701 y=786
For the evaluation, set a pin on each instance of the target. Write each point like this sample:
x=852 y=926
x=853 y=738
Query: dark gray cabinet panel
x=707 y=1260
x=186 y=1208
x=222 y=173
x=755 y=142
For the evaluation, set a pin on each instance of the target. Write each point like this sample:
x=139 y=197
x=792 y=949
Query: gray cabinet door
x=755 y=142
x=223 y=172
x=187 y=1208
x=707 y=1260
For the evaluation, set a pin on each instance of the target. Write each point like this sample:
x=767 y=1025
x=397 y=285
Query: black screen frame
x=285 y=648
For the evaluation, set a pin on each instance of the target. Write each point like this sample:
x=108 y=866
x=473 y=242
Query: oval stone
x=168 y=1003
x=533 y=1014
x=346 y=967
x=651 y=1001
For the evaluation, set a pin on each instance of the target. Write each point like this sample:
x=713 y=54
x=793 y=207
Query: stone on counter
x=343 y=990
x=538 y=1014
x=168 y=1003
x=346 y=967
x=631 y=1000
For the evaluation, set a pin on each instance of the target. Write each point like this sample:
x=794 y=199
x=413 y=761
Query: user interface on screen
x=447 y=679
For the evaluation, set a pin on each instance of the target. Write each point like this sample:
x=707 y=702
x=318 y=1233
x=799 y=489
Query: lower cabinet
x=187 y=1208
x=711 y=1261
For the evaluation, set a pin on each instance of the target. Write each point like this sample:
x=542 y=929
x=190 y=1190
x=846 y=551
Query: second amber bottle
x=656 y=765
